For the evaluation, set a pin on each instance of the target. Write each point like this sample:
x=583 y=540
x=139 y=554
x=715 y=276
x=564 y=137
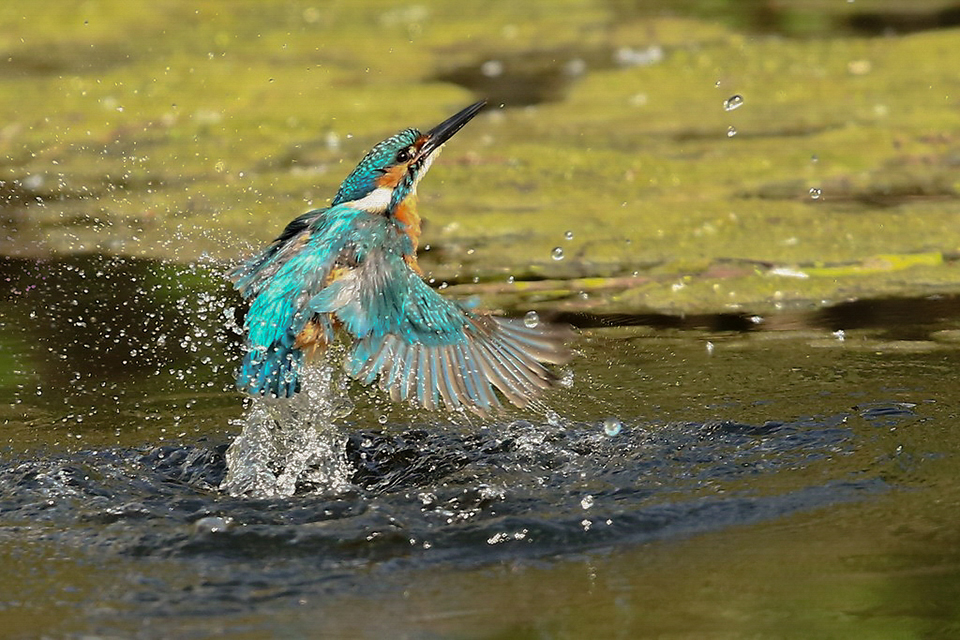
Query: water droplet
x=557 y=253
x=510 y=279
x=612 y=426
x=586 y=502
x=341 y=407
x=568 y=235
x=212 y=524
x=710 y=348
x=815 y=193
x=492 y=68
x=575 y=67
x=733 y=102
x=731 y=131
x=382 y=419
x=814 y=158
x=531 y=320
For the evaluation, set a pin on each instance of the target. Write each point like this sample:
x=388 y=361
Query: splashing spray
x=286 y=443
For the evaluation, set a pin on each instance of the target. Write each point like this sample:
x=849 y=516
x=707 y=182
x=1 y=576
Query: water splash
x=291 y=443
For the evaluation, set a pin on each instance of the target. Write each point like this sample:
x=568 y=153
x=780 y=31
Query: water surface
x=713 y=483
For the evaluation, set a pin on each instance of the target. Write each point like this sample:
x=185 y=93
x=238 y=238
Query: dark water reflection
x=99 y=346
x=669 y=438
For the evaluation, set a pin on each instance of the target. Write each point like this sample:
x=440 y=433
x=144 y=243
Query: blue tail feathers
x=271 y=370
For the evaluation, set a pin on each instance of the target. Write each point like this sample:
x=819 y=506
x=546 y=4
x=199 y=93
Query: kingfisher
x=351 y=269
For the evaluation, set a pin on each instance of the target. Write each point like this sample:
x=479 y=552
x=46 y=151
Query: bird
x=351 y=270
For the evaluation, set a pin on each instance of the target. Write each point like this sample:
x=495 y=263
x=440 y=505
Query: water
x=286 y=443
x=733 y=102
x=531 y=319
x=698 y=475
x=663 y=477
x=612 y=426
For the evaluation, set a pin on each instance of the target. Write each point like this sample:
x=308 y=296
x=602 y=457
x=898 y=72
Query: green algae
x=177 y=131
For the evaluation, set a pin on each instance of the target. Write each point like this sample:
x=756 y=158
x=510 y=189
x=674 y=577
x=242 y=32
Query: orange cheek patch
x=392 y=177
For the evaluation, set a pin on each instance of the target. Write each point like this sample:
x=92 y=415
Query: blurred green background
x=177 y=130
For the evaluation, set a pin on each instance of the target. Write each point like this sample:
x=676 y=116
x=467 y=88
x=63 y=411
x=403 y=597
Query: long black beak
x=445 y=130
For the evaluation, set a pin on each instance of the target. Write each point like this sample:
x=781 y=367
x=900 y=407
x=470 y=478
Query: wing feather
x=450 y=354
x=281 y=282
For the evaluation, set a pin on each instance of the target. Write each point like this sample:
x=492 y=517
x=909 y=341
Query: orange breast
x=407 y=214
x=311 y=340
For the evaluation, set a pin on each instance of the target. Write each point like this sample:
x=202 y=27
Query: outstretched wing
x=280 y=281
x=255 y=273
x=425 y=348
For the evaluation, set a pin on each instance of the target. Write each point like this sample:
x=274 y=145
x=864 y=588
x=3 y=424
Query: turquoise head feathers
x=389 y=173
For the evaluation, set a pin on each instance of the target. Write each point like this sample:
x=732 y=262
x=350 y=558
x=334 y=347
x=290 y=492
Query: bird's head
x=391 y=170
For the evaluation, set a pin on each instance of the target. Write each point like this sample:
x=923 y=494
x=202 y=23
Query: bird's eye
x=403 y=155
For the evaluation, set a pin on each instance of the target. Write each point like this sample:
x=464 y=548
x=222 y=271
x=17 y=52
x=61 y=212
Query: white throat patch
x=376 y=201
x=425 y=168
